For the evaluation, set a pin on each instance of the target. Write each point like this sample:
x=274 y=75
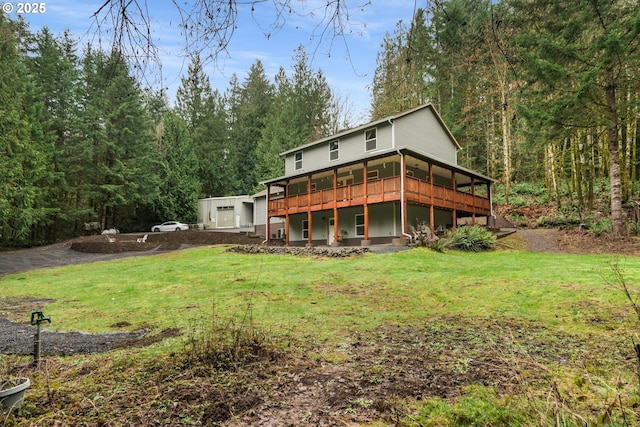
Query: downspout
x=403 y=171
x=266 y=225
x=393 y=132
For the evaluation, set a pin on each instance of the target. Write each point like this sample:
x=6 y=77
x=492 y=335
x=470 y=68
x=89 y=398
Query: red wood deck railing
x=378 y=191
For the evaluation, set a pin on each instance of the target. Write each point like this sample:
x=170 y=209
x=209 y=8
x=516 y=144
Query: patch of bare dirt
x=585 y=242
x=575 y=242
x=369 y=373
x=161 y=241
x=361 y=381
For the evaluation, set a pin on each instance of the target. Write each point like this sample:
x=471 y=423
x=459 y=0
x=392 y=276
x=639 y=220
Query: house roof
x=387 y=119
x=263 y=193
x=383 y=153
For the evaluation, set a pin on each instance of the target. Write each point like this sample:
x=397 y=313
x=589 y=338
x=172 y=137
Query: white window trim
x=296 y=161
x=305 y=229
x=337 y=150
x=370 y=139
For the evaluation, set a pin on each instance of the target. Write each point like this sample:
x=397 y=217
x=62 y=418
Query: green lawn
x=559 y=299
x=324 y=296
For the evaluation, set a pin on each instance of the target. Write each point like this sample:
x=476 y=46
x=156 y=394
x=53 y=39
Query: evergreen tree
x=25 y=148
x=118 y=131
x=249 y=106
x=203 y=111
x=193 y=93
x=399 y=80
x=180 y=187
x=212 y=143
x=302 y=111
x=55 y=69
x=283 y=130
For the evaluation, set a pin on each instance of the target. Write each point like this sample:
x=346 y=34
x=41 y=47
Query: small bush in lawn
x=229 y=344
x=473 y=239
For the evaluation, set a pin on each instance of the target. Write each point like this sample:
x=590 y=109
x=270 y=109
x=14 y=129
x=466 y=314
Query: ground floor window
x=305 y=229
x=360 y=225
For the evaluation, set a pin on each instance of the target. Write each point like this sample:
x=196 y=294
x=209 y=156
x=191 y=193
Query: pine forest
x=540 y=94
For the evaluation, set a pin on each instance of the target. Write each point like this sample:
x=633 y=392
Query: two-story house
x=370 y=184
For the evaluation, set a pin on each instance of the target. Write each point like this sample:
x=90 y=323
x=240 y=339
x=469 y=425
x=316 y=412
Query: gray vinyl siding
x=352 y=147
x=260 y=210
x=423 y=132
x=384 y=220
x=420 y=130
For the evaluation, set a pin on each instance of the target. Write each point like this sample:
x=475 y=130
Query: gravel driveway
x=55 y=255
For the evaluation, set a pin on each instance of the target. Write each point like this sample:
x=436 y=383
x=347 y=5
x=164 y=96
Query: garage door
x=226 y=216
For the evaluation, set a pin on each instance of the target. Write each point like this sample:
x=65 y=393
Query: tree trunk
x=553 y=174
x=506 y=146
x=614 y=156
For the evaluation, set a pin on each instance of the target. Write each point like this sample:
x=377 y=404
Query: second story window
x=370 y=140
x=298 y=160
x=334 y=147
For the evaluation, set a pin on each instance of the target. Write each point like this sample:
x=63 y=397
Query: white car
x=170 y=226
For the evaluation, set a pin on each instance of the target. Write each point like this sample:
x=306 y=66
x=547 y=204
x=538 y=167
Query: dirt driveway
x=87 y=249
x=54 y=256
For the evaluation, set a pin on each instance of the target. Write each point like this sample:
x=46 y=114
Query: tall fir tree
x=193 y=93
x=249 y=106
x=212 y=142
x=26 y=149
x=180 y=186
x=398 y=81
x=118 y=130
x=55 y=69
x=204 y=112
x=302 y=111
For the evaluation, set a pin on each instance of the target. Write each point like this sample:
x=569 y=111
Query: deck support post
x=455 y=201
x=335 y=206
x=432 y=220
x=309 y=215
x=366 y=205
x=268 y=228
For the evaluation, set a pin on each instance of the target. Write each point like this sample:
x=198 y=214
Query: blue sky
x=349 y=73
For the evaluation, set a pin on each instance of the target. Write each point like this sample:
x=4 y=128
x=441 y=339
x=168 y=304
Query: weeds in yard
x=536 y=390
x=231 y=343
x=618 y=282
x=595 y=398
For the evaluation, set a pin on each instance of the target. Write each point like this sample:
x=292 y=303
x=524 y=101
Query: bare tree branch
x=208 y=26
